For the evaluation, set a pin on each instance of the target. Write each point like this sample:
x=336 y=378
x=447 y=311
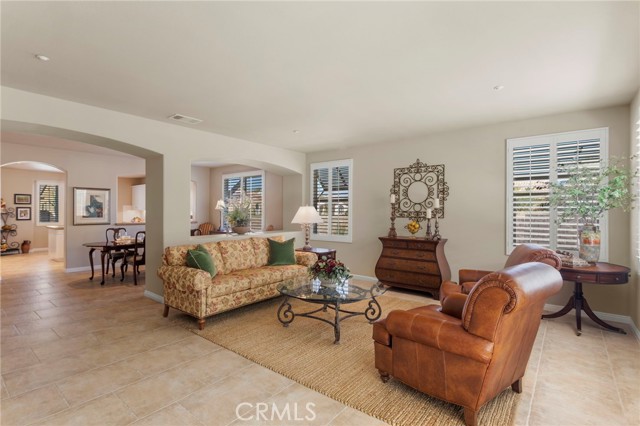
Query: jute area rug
x=305 y=353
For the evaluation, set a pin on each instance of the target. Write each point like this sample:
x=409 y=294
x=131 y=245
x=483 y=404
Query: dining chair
x=112 y=234
x=206 y=228
x=135 y=256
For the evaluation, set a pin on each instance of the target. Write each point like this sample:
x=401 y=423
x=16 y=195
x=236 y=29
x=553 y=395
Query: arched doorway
x=33 y=196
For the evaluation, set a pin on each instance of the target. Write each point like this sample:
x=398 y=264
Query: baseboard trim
x=365 y=278
x=605 y=316
x=154 y=297
x=78 y=269
x=36 y=250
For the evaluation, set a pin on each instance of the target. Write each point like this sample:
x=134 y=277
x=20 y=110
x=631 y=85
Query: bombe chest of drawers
x=413 y=263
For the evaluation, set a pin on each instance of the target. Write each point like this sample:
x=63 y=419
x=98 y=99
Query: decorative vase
x=329 y=282
x=26 y=246
x=241 y=229
x=589 y=236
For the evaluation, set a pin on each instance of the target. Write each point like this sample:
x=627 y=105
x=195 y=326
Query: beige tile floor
x=73 y=352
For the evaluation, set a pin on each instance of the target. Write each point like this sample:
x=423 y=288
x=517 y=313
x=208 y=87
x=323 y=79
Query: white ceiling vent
x=185 y=119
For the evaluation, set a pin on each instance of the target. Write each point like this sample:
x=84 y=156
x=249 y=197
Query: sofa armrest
x=471 y=275
x=439 y=333
x=305 y=258
x=184 y=278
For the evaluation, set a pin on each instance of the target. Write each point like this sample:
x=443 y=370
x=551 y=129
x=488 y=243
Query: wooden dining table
x=106 y=248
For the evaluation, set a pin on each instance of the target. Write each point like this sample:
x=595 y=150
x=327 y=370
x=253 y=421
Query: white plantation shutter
x=252 y=183
x=48 y=202
x=532 y=164
x=331 y=194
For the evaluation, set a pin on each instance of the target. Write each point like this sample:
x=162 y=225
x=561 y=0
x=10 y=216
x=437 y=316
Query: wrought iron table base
x=371 y=313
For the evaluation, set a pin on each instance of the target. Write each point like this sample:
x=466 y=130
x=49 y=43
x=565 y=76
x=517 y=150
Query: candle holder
x=436 y=233
x=429 y=235
x=392 y=231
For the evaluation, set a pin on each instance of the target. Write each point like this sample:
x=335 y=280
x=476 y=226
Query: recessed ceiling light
x=42 y=57
x=498 y=88
x=296 y=131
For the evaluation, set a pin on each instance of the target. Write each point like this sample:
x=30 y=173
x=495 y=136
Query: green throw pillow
x=201 y=259
x=281 y=253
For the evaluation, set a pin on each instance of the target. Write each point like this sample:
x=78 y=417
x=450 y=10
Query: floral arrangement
x=329 y=269
x=239 y=210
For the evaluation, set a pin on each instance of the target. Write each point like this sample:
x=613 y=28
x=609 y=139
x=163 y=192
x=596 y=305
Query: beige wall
x=200 y=175
x=634 y=254
x=475 y=162
x=19 y=181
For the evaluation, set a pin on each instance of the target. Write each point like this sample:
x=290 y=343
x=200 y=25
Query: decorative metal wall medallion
x=416 y=188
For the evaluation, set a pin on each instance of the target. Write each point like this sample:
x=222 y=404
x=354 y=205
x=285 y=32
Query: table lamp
x=220 y=206
x=306 y=216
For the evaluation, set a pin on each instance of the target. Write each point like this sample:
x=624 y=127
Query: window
x=252 y=184
x=49 y=195
x=331 y=189
x=532 y=164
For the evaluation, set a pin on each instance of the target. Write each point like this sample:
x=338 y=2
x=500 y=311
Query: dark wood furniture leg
x=166 y=311
x=102 y=256
x=201 y=323
x=592 y=315
x=384 y=376
x=517 y=386
x=470 y=417
x=91 y=262
x=579 y=303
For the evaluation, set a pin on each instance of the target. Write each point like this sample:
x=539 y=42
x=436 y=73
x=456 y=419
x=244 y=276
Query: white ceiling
x=341 y=74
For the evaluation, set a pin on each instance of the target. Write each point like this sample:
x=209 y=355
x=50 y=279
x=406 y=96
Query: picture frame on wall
x=23 y=213
x=91 y=206
x=21 y=198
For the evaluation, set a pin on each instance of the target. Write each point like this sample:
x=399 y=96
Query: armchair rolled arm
x=454 y=304
x=439 y=333
x=471 y=275
x=184 y=278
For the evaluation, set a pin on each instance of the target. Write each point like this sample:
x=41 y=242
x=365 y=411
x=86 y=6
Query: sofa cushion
x=261 y=249
x=237 y=255
x=228 y=284
x=200 y=258
x=261 y=276
x=282 y=253
x=289 y=271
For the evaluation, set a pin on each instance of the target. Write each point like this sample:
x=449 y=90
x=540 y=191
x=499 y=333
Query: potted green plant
x=239 y=214
x=587 y=193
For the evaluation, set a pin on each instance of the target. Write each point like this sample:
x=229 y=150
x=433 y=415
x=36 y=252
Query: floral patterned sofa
x=243 y=277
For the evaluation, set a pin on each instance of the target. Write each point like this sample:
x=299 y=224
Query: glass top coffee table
x=330 y=296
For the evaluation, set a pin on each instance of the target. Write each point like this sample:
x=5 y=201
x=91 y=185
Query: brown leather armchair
x=471 y=359
x=521 y=254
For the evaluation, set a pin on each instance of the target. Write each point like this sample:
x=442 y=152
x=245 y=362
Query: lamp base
x=307 y=247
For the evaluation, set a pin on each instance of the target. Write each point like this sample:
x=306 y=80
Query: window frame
x=242 y=176
x=345 y=238
x=61 y=198
x=553 y=139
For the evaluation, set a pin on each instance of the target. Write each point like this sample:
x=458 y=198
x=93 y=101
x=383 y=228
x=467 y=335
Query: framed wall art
x=23 y=213
x=91 y=206
x=21 y=198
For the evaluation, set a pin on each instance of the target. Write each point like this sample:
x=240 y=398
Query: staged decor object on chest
x=413 y=263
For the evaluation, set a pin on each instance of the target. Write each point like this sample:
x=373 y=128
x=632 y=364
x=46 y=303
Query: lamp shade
x=220 y=205
x=307 y=214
